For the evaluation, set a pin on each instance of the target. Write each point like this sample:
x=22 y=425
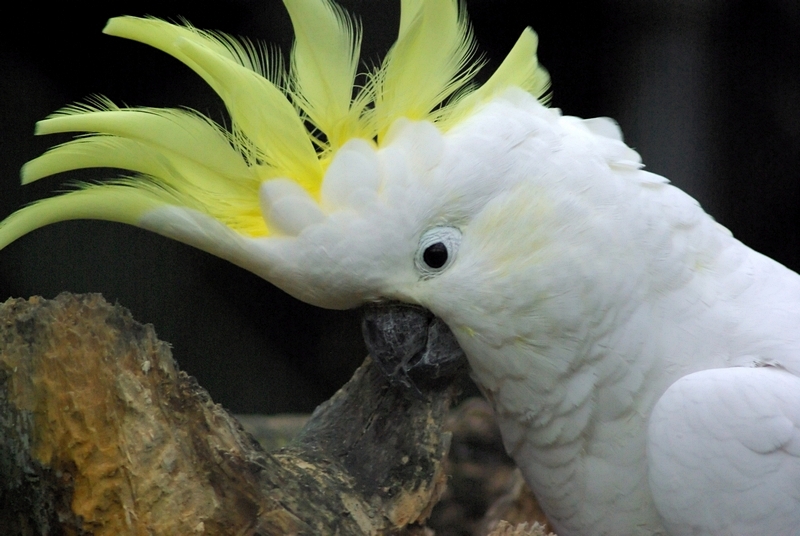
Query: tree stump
x=100 y=433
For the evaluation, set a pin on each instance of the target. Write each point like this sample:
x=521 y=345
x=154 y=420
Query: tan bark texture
x=101 y=434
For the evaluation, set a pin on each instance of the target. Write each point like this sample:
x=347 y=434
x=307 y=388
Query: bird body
x=628 y=287
x=644 y=364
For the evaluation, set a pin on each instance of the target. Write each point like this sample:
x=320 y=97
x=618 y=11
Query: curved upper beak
x=410 y=345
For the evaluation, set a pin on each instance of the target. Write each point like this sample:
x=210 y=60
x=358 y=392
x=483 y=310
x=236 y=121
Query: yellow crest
x=285 y=122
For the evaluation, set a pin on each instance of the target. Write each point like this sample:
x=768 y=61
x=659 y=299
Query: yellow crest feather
x=429 y=62
x=184 y=159
x=324 y=67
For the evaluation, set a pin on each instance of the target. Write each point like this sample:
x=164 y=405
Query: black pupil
x=435 y=255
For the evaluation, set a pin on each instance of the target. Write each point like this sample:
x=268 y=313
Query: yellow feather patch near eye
x=284 y=125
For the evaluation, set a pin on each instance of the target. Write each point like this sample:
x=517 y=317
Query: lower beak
x=410 y=345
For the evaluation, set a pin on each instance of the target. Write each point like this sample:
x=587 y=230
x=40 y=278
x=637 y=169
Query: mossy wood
x=100 y=433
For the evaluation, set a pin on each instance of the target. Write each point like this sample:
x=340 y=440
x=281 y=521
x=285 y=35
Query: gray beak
x=410 y=345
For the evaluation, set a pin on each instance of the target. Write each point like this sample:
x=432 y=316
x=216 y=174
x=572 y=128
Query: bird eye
x=437 y=250
x=435 y=255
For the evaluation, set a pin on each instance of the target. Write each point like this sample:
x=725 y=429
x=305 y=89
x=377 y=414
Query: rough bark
x=100 y=433
x=485 y=493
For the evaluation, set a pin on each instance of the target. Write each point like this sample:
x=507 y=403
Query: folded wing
x=724 y=452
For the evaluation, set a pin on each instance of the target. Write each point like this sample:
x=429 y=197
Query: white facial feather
x=288 y=207
x=353 y=178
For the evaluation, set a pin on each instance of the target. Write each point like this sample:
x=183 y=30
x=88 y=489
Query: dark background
x=707 y=91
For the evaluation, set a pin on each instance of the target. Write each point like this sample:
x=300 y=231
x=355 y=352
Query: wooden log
x=100 y=433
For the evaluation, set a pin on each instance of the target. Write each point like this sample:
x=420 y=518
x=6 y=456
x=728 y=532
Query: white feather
x=724 y=452
x=353 y=178
x=287 y=207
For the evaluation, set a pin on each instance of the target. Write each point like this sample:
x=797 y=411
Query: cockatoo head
x=341 y=187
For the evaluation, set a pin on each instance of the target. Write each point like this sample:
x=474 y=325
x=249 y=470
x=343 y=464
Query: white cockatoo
x=644 y=365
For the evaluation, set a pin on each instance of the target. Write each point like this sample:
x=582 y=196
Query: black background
x=707 y=91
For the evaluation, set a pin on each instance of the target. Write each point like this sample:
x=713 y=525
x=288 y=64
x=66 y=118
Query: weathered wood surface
x=485 y=493
x=100 y=433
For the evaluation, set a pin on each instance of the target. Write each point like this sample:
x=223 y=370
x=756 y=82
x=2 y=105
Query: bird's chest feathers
x=572 y=413
x=575 y=344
